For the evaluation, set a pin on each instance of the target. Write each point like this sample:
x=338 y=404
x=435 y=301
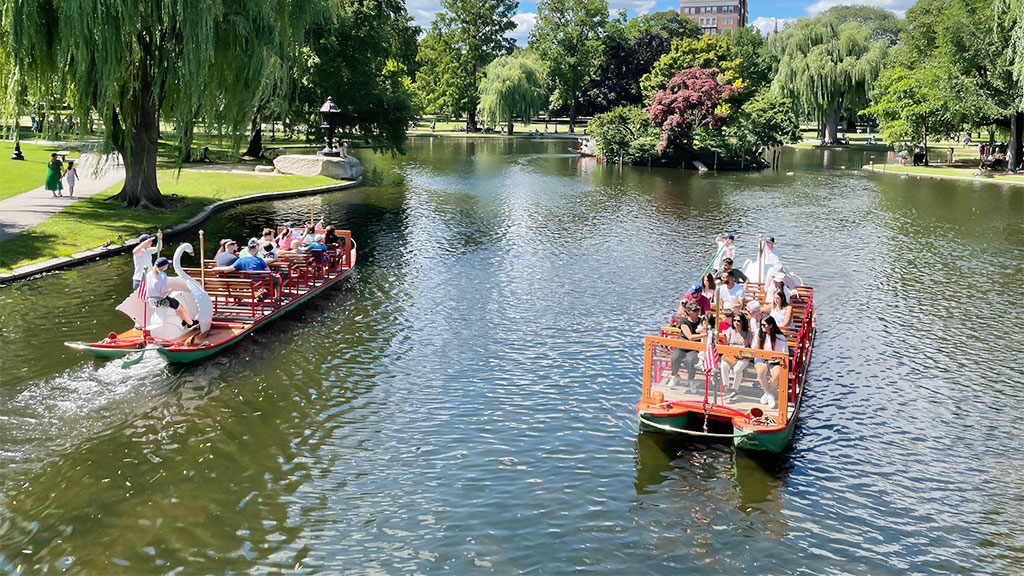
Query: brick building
x=714 y=16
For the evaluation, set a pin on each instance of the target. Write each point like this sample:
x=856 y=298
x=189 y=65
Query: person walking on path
x=54 y=175
x=71 y=175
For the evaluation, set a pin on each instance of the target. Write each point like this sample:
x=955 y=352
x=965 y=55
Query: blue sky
x=762 y=14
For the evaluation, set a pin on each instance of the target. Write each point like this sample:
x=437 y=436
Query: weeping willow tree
x=131 y=59
x=513 y=87
x=827 y=68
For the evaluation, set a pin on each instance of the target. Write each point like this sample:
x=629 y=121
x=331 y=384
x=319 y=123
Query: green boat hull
x=680 y=421
x=774 y=442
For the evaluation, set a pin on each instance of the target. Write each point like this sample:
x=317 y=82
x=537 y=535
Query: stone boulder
x=348 y=168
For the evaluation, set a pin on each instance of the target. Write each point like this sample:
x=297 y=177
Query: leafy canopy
x=626 y=130
x=706 y=52
x=513 y=87
x=689 y=105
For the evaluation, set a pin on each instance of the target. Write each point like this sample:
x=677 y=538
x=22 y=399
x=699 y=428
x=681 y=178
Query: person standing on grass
x=53 y=177
x=949 y=156
x=71 y=175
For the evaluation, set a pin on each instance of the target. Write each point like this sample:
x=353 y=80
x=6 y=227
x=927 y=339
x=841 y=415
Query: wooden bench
x=235 y=296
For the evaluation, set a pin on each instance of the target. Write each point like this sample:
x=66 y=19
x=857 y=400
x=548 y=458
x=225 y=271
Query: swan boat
x=228 y=305
x=703 y=414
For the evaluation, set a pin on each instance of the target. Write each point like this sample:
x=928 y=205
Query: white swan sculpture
x=164 y=322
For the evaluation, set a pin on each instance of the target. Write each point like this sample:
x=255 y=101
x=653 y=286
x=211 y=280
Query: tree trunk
x=255 y=149
x=924 y=138
x=509 y=126
x=1015 y=148
x=832 y=124
x=140 y=188
x=471 y=121
x=572 y=114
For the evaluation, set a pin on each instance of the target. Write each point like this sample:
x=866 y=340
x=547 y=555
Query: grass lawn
x=90 y=222
x=22 y=176
x=946 y=172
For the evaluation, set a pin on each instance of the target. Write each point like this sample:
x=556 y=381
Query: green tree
x=631 y=47
x=883 y=24
x=567 y=37
x=705 y=52
x=360 y=56
x=123 y=60
x=625 y=131
x=463 y=38
x=827 y=69
x=755 y=63
x=513 y=87
x=767 y=120
x=910 y=104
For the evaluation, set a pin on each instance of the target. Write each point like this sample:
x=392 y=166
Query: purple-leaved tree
x=687 y=104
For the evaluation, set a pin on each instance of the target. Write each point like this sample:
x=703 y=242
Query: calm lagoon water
x=466 y=404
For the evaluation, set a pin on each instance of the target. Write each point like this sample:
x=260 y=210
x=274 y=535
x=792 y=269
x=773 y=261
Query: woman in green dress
x=53 y=177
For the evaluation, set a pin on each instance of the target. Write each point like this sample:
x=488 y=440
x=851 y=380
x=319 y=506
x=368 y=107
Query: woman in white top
x=771 y=338
x=142 y=256
x=738 y=334
x=782 y=310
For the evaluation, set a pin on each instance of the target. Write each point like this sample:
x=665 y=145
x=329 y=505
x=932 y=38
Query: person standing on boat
x=157 y=291
x=738 y=334
x=770 y=338
x=771 y=255
x=693 y=328
x=697 y=297
x=142 y=256
x=724 y=242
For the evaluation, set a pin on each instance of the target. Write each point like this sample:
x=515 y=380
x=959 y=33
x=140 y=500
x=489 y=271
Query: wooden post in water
x=202 y=261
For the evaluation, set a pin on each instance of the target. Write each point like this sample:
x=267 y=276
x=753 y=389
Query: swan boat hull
x=224 y=331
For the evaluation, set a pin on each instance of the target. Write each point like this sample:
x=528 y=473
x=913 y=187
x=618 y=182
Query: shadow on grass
x=27 y=246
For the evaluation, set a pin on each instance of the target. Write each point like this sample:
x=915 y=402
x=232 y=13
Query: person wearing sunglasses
x=738 y=334
x=692 y=328
x=770 y=338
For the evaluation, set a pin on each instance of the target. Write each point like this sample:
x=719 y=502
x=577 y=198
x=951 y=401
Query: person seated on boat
x=245 y=263
x=157 y=292
x=780 y=281
x=725 y=322
x=708 y=287
x=729 y=291
x=725 y=250
x=268 y=236
x=697 y=297
x=781 y=310
x=252 y=248
x=331 y=236
x=308 y=234
x=769 y=338
x=693 y=327
x=755 y=316
x=228 y=252
x=142 y=256
x=284 y=240
x=267 y=252
x=736 y=272
x=316 y=244
x=738 y=334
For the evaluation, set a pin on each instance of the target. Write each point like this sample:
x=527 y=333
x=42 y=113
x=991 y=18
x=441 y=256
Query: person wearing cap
x=697 y=297
x=142 y=256
x=228 y=252
x=157 y=291
x=252 y=248
x=724 y=242
x=244 y=263
x=740 y=277
x=771 y=255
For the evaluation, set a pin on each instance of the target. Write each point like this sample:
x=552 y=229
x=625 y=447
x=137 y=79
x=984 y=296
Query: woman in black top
x=693 y=328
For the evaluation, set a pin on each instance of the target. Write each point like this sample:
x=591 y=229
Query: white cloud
x=525 y=22
x=633 y=6
x=897 y=6
x=423 y=11
x=767 y=25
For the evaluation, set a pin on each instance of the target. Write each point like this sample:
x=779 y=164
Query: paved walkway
x=21 y=212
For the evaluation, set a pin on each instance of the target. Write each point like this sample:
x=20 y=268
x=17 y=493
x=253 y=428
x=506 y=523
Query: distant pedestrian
x=433 y=124
x=53 y=177
x=949 y=156
x=71 y=175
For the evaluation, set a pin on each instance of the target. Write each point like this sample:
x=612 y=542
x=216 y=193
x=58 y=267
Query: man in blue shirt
x=252 y=264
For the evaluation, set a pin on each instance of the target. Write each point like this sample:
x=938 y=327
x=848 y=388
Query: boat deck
x=749 y=397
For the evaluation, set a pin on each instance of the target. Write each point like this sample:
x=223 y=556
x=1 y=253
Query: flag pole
x=202 y=261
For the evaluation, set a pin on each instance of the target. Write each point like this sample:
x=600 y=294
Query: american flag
x=710 y=357
x=141 y=292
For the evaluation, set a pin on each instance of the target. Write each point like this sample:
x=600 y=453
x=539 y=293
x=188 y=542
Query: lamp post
x=329 y=112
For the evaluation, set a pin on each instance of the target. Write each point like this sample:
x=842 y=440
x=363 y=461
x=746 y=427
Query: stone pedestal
x=347 y=168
